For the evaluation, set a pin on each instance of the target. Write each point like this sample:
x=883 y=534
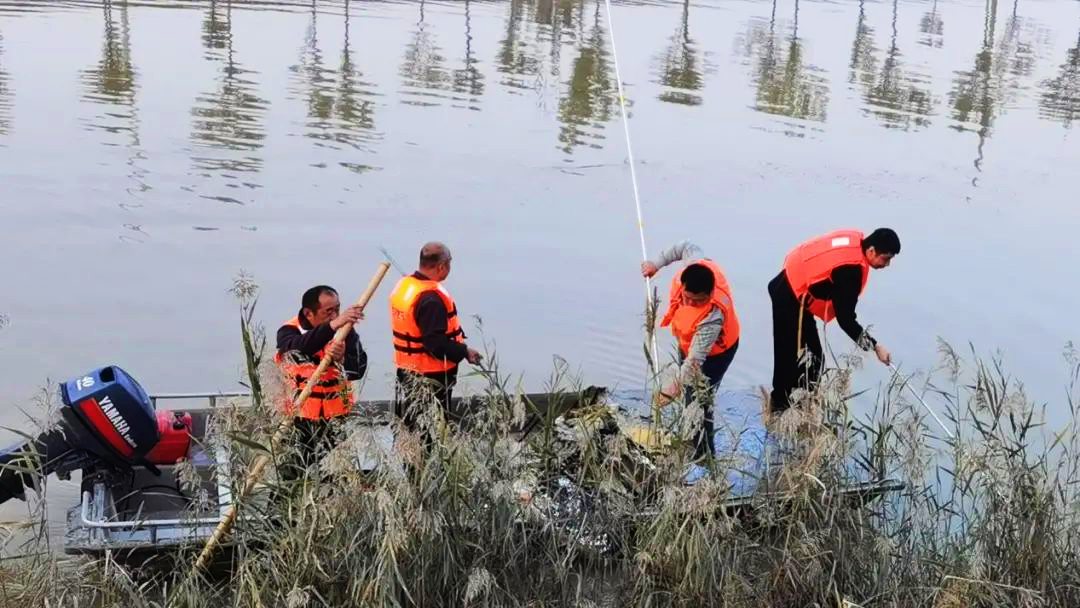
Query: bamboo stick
x=255 y=474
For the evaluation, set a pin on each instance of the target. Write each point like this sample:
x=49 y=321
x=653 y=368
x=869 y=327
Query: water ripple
x=679 y=69
x=899 y=97
x=589 y=101
x=1060 y=95
x=5 y=95
x=227 y=127
x=340 y=104
x=786 y=84
x=112 y=82
x=429 y=77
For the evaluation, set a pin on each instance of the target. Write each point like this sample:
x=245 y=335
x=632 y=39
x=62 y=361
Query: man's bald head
x=435 y=260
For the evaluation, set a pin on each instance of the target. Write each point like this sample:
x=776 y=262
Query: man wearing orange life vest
x=428 y=340
x=822 y=278
x=701 y=314
x=302 y=342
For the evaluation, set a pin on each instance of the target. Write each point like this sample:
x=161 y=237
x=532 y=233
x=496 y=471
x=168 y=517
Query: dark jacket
x=842 y=289
x=313 y=339
x=431 y=317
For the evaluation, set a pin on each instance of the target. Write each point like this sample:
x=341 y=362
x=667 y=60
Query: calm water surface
x=151 y=151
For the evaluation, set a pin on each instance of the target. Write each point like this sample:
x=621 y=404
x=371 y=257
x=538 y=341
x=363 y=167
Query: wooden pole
x=255 y=474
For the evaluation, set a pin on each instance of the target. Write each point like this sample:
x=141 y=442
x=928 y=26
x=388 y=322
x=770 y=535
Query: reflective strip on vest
x=408 y=340
x=813 y=262
x=684 y=320
x=329 y=397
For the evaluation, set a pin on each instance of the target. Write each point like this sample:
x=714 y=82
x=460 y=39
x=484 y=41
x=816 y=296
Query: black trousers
x=713 y=368
x=311 y=441
x=789 y=372
x=414 y=393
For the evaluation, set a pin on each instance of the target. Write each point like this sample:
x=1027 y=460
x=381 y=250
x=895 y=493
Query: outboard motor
x=109 y=415
x=107 y=421
x=20 y=463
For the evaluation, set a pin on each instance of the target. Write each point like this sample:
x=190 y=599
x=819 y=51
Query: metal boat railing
x=94 y=507
x=212 y=398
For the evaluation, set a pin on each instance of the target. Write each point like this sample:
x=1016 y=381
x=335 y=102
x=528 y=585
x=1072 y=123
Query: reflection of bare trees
x=1060 y=98
x=5 y=96
x=680 y=69
x=217 y=29
x=974 y=91
x=517 y=58
x=340 y=108
x=562 y=18
x=863 y=51
x=354 y=106
x=785 y=85
x=229 y=119
x=520 y=59
x=589 y=100
x=112 y=83
x=933 y=28
x=112 y=80
x=558 y=12
x=1016 y=52
x=423 y=67
x=980 y=95
x=469 y=80
x=891 y=94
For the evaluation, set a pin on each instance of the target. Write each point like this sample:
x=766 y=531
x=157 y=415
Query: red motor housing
x=174 y=437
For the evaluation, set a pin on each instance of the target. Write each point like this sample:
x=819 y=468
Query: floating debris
x=224 y=199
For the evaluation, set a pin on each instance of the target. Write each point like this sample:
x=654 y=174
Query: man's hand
x=351 y=314
x=882 y=354
x=335 y=350
x=667 y=395
x=648 y=269
x=473 y=357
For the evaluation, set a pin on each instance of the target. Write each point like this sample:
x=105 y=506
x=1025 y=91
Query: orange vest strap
x=329 y=397
x=409 y=352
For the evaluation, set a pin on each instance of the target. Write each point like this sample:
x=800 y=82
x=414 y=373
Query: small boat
x=133 y=458
x=150 y=480
x=139 y=509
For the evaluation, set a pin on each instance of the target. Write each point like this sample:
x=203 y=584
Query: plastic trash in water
x=694 y=473
x=745 y=450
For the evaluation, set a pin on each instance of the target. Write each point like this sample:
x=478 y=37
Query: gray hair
x=434 y=253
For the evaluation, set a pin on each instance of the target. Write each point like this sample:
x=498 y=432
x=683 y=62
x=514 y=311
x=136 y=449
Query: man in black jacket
x=428 y=340
x=302 y=342
x=822 y=278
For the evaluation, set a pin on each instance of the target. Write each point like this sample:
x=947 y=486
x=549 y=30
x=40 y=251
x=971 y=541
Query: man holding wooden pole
x=263 y=460
x=302 y=343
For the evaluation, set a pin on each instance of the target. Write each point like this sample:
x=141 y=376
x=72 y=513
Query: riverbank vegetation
x=585 y=511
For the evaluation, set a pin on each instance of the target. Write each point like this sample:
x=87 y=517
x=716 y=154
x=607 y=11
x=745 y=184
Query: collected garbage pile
x=608 y=462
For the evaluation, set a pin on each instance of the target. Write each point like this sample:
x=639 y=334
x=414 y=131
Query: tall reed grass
x=579 y=513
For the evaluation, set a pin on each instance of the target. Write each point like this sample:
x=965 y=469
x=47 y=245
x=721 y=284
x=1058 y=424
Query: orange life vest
x=684 y=320
x=409 y=350
x=329 y=398
x=814 y=261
